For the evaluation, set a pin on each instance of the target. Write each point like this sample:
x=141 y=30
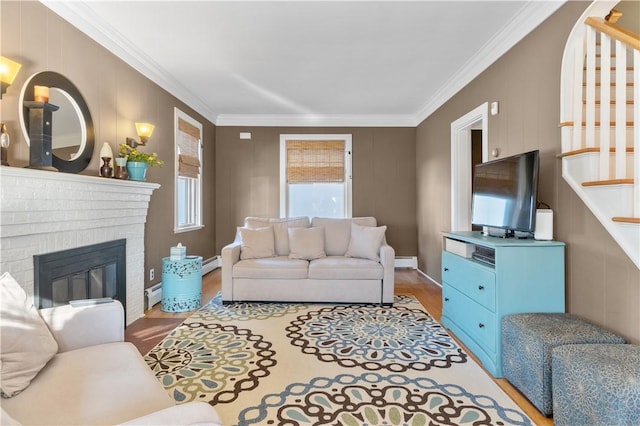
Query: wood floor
x=146 y=332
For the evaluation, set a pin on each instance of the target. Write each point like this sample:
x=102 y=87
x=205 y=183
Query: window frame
x=284 y=190
x=195 y=193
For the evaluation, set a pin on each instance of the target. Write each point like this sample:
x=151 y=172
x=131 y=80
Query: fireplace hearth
x=89 y=272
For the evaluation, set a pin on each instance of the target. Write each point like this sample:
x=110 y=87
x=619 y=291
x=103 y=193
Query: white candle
x=41 y=93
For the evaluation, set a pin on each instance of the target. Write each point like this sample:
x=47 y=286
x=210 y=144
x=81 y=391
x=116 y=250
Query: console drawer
x=474 y=319
x=476 y=281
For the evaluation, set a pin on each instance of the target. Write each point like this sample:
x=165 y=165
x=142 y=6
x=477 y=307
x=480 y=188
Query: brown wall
x=384 y=179
x=117 y=96
x=401 y=176
x=602 y=283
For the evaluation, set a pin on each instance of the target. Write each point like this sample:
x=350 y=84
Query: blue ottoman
x=596 y=385
x=527 y=340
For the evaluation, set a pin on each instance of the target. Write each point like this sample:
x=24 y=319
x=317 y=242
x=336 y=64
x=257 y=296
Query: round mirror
x=72 y=136
x=69 y=133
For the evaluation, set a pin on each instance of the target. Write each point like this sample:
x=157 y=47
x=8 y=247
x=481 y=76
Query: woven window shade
x=188 y=166
x=188 y=148
x=188 y=128
x=315 y=161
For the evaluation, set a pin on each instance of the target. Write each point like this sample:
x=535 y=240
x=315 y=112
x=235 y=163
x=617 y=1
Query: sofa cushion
x=345 y=268
x=256 y=243
x=273 y=267
x=365 y=241
x=280 y=226
x=26 y=344
x=337 y=232
x=306 y=243
x=102 y=384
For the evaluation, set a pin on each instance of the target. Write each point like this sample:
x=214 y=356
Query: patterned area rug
x=299 y=364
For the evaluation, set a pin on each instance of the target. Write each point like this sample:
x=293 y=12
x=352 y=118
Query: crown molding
x=314 y=120
x=81 y=16
x=528 y=18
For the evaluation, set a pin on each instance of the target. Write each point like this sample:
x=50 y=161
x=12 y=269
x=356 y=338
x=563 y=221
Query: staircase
x=600 y=123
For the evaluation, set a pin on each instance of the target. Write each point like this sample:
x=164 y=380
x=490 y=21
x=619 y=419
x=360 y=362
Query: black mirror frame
x=54 y=79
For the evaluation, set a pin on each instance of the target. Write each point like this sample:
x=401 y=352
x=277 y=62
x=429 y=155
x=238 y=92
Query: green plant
x=134 y=155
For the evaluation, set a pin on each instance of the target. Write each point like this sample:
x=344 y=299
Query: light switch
x=494 y=108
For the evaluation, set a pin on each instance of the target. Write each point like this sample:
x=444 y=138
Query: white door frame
x=460 y=161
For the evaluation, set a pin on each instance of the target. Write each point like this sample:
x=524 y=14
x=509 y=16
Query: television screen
x=504 y=193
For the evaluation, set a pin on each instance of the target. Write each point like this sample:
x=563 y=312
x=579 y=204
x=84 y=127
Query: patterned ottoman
x=596 y=385
x=527 y=340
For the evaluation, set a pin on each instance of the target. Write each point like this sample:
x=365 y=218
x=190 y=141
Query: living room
x=401 y=175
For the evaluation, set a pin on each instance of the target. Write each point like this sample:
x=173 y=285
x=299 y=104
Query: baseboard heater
x=154 y=293
x=211 y=264
x=406 y=262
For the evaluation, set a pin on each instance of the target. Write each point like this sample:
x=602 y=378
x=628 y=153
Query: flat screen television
x=504 y=195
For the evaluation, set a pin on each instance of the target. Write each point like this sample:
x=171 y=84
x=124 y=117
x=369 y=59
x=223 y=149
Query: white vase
x=106 y=150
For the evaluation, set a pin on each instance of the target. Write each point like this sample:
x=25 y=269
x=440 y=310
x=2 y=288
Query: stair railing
x=625 y=44
x=587 y=121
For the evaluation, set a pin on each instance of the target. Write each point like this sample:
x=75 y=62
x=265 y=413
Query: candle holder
x=40 y=125
x=106 y=170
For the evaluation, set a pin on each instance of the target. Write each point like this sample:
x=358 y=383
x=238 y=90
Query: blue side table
x=181 y=284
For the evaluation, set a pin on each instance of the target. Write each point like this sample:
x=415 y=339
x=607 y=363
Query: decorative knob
x=481 y=325
x=480 y=287
x=446 y=299
x=446 y=269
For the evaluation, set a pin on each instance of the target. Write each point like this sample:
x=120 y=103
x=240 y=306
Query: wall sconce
x=4 y=144
x=144 y=133
x=8 y=71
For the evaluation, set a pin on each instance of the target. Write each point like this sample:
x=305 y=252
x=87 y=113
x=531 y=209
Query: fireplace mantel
x=43 y=212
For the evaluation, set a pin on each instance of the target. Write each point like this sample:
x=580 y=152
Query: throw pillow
x=26 y=344
x=337 y=232
x=256 y=243
x=280 y=226
x=365 y=241
x=306 y=243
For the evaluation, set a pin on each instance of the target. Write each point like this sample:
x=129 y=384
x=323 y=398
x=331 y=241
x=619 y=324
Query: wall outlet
x=152 y=274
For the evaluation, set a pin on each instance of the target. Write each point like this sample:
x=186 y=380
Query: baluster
x=590 y=89
x=636 y=133
x=621 y=111
x=605 y=105
x=577 y=100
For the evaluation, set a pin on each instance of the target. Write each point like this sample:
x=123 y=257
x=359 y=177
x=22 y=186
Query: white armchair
x=97 y=378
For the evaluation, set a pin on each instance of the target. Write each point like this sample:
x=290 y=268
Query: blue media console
x=485 y=278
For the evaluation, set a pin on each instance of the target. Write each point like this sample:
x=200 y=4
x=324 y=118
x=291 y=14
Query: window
x=315 y=175
x=188 y=173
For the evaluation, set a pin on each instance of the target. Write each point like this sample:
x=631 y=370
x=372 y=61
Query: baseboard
x=430 y=279
x=406 y=262
x=211 y=264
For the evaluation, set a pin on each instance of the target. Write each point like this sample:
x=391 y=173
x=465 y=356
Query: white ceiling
x=326 y=63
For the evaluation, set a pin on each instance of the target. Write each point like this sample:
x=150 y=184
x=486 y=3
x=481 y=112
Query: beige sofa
x=80 y=371
x=298 y=260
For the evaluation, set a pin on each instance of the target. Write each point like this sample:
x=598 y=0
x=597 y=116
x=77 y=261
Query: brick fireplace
x=43 y=212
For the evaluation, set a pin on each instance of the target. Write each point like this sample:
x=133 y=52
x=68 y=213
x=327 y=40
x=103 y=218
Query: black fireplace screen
x=88 y=272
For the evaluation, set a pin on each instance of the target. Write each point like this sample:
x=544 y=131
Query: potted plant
x=138 y=161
